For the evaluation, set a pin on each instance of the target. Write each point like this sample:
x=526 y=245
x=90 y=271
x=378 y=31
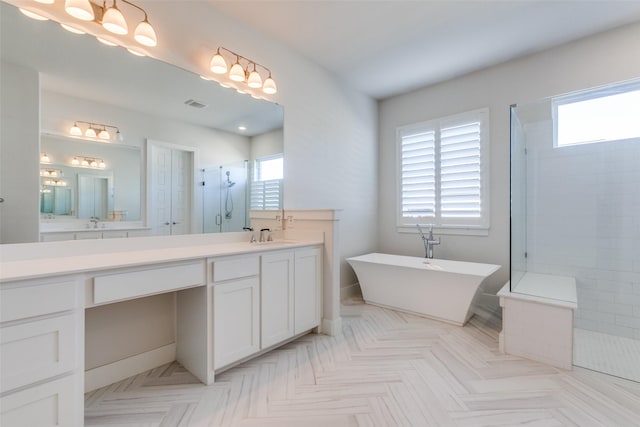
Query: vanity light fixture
x=95 y=130
x=44 y=158
x=108 y=15
x=88 y=162
x=55 y=182
x=52 y=173
x=248 y=73
x=106 y=42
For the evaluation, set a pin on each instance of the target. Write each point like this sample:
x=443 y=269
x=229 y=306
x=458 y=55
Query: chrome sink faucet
x=262 y=238
x=94 y=220
x=429 y=241
x=250 y=230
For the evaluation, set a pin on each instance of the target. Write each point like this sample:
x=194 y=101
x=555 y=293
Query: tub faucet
x=429 y=241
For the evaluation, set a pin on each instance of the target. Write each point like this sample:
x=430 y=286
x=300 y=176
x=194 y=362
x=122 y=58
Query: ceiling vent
x=194 y=104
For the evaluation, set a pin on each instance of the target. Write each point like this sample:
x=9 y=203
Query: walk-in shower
x=225 y=197
x=575 y=212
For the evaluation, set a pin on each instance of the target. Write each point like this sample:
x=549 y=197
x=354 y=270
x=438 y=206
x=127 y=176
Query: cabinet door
x=277 y=297
x=308 y=287
x=236 y=323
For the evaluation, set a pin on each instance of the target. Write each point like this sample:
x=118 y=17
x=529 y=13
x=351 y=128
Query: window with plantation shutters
x=266 y=183
x=443 y=172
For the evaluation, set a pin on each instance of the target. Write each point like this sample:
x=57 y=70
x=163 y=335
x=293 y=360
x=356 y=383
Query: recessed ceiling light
x=242 y=128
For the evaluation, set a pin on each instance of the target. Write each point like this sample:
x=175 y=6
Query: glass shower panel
x=518 y=200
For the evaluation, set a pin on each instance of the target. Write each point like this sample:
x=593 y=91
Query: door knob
x=167 y=223
x=175 y=223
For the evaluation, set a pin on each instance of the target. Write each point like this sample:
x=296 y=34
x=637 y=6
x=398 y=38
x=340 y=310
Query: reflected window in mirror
x=266 y=183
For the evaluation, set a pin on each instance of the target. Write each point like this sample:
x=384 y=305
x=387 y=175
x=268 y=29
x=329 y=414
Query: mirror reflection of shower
x=224 y=197
x=228 y=201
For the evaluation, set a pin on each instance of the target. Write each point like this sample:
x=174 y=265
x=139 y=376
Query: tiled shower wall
x=583 y=220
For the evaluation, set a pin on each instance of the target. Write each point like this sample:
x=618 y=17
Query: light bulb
x=254 y=80
x=33 y=15
x=237 y=73
x=80 y=9
x=91 y=133
x=75 y=161
x=145 y=34
x=218 y=64
x=71 y=29
x=114 y=21
x=269 y=86
x=104 y=134
x=75 y=130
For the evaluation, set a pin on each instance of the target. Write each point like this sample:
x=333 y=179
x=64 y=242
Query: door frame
x=195 y=223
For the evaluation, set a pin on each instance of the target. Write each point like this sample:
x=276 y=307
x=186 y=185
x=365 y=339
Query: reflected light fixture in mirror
x=240 y=73
x=94 y=130
x=46 y=1
x=72 y=29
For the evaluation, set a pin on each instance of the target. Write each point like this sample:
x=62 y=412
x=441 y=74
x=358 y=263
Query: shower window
x=266 y=185
x=597 y=115
x=443 y=172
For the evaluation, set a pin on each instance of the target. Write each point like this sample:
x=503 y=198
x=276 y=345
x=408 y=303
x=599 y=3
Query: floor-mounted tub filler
x=435 y=288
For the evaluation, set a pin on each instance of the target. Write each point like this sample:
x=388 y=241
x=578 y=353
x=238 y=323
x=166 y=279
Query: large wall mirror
x=82 y=80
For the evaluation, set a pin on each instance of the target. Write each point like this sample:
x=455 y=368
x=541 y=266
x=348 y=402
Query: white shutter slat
x=418 y=174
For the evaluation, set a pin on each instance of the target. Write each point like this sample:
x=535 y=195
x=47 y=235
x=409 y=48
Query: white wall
x=19 y=154
x=592 y=61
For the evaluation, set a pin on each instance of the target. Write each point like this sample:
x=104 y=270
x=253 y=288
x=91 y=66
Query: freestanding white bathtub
x=434 y=288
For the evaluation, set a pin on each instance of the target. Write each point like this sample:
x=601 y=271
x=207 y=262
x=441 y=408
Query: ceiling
x=384 y=48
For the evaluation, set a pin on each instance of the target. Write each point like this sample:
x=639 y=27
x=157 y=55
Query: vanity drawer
x=35 y=351
x=235 y=267
x=27 y=301
x=135 y=284
x=54 y=403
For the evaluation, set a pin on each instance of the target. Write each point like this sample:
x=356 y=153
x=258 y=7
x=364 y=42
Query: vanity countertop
x=82 y=229
x=74 y=256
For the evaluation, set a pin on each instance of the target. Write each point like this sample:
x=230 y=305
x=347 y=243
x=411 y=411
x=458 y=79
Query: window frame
x=458 y=225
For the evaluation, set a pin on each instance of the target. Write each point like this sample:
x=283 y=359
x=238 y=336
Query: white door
x=170 y=190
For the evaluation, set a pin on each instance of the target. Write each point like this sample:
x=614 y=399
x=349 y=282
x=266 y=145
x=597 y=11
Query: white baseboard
x=332 y=327
x=350 y=291
x=117 y=371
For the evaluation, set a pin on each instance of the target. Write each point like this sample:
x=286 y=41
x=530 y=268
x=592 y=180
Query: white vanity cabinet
x=308 y=289
x=93 y=234
x=277 y=298
x=41 y=332
x=236 y=308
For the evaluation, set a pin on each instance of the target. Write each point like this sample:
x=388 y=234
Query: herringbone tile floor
x=388 y=369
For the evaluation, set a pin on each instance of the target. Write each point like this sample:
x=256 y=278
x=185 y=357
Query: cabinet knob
x=167 y=223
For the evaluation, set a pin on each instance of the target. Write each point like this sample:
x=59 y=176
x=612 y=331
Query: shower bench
x=537 y=319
